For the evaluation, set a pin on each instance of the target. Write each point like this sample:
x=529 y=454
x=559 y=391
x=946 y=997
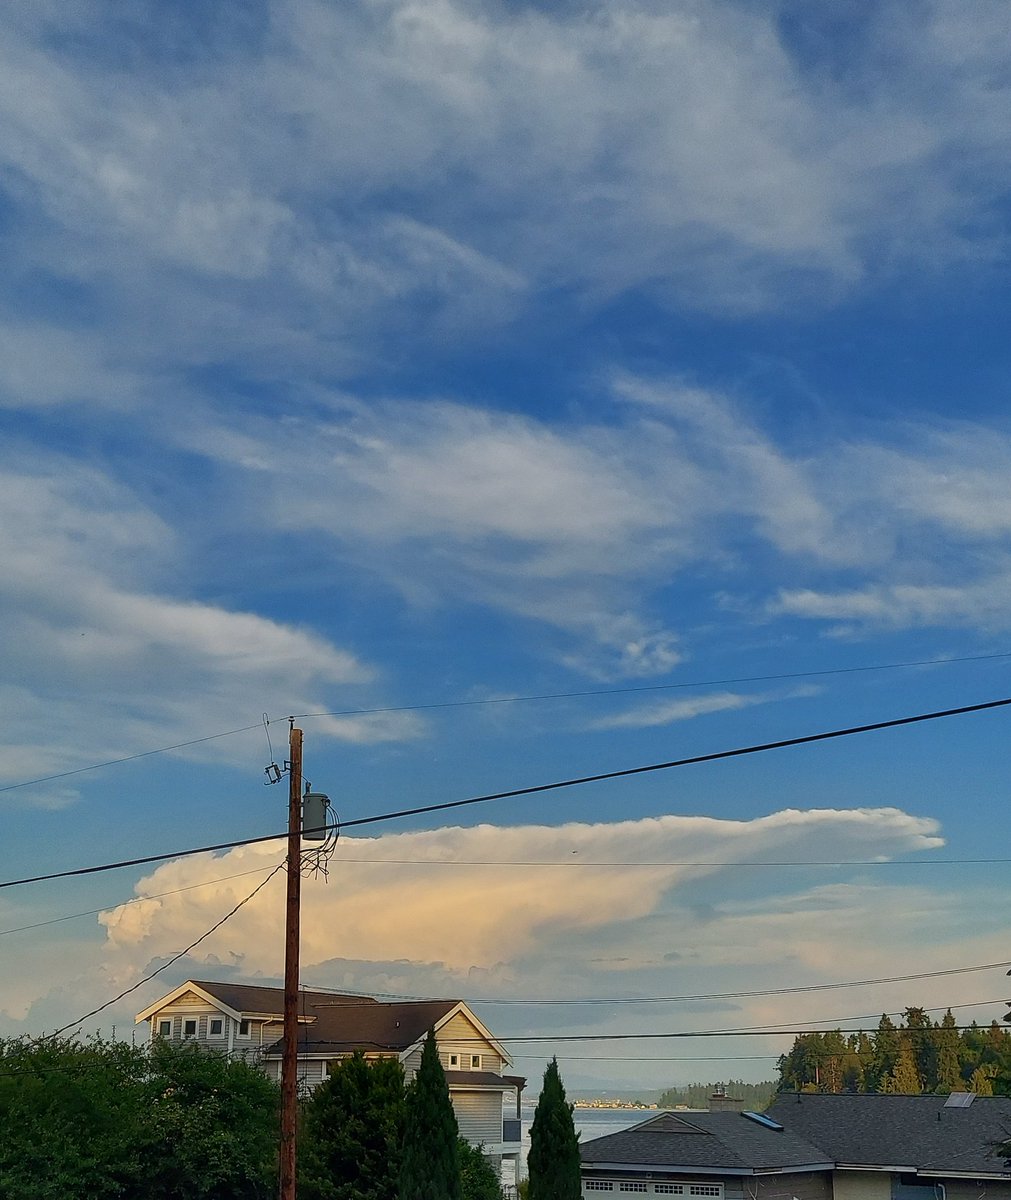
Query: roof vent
x=763 y=1120
x=960 y=1099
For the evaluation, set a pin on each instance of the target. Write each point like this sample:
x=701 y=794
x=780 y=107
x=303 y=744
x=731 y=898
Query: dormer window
x=475 y=1062
x=244 y=1028
x=216 y=1027
x=454 y=1062
x=165 y=1028
x=190 y=1028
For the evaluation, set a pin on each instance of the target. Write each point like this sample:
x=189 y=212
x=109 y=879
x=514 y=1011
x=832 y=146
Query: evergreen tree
x=982 y=1081
x=921 y=1036
x=430 y=1164
x=553 y=1161
x=478 y=1178
x=949 y=1073
x=352 y=1127
x=884 y=1056
x=800 y=1069
x=904 y=1080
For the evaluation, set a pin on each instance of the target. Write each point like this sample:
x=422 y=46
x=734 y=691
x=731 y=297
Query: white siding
x=179 y=1013
x=411 y=1063
x=479 y=1116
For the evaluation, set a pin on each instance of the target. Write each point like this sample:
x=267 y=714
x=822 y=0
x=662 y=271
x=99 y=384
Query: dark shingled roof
x=251 y=998
x=478 y=1079
x=338 y=1024
x=728 y=1142
x=917 y=1132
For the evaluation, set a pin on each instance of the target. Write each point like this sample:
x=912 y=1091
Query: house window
x=189 y=1028
x=243 y=1028
x=475 y=1062
x=216 y=1027
x=165 y=1028
x=454 y=1061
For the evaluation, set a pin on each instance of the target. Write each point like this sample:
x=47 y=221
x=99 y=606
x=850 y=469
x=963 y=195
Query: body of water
x=591 y=1123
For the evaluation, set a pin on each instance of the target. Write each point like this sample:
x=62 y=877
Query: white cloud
x=85 y=632
x=414 y=914
x=684 y=708
x=435 y=900
x=578 y=523
x=360 y=168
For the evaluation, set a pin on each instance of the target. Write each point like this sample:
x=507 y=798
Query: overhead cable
x=175 y=958
x=535 y=789
x=691 y=999
x=494 y=700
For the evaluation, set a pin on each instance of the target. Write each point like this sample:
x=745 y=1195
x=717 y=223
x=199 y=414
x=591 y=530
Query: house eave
x=938 y=1173
x=461 y=1007
x=681 y=1169
x=181 y=990
x=892 y=1168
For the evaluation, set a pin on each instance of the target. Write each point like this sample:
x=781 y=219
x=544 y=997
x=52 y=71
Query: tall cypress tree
x=553 y=1162
x=430 y=1164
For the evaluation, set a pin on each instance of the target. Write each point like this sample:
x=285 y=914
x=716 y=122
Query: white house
x=246 y=1019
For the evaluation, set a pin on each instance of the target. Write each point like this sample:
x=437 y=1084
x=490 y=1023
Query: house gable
x=186 y=995
x=465 y=1044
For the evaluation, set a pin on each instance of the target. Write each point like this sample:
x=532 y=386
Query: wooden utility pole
x=289 y=1058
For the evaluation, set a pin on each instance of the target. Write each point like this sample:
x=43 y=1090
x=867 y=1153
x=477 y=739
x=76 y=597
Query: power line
x=115 y=762
x=595 y=1058
x=532 y=790
x=175 y=958
x=654 y=687
x=554 y=864
x=495 y=700
x=789 y=991
x=788 y=1029
x=569 y=863
x=93 y=912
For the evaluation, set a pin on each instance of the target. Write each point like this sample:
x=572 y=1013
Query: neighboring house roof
x=340 y=1028
x=925 y=1134
x=727 y=1143
x=332 y=1023
x=247 y=999
x=252 y=998
x=483 y=1079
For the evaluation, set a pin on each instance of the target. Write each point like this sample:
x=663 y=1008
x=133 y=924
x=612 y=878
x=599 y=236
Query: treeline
x=756 y=1096
x=918 y=1055
x=101 y=1120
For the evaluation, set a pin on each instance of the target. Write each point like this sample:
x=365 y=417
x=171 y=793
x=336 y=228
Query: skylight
x=763 y=1120
x=960 y=1099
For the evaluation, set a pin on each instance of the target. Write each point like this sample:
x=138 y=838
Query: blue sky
x=374 y=356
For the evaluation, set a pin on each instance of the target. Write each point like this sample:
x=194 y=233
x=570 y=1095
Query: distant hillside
x=756 y=1096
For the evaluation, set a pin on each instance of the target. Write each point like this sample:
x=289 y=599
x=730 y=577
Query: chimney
x=719 y=1101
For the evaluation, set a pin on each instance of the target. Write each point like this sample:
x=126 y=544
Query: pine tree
x=904 y=1080
x=921 y=1035
x=553 y=1161
x=430 y=1164
x=949 y=1074
x=884 y=1057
